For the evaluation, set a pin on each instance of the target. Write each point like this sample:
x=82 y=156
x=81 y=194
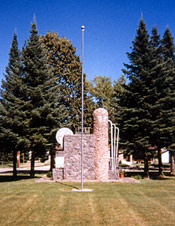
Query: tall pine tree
x=44 y=113
x=13 y=128
x=168 y=50
x=159 y=91
x=136 y=99
x=148 y=100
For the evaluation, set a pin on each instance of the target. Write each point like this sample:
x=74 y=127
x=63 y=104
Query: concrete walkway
x=25 y=168
x=121 y=180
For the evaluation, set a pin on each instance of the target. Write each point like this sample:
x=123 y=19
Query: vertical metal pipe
x=82 y=107
x=114 y=148
x=112 y=145
x=117 y=140
x=117 y=155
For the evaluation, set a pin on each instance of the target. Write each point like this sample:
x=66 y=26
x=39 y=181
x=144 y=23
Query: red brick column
x=100 y=117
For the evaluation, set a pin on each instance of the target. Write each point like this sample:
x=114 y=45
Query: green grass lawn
x=25 y=202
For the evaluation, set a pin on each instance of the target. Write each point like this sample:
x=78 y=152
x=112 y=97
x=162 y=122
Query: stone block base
x=112 y=175
x=72 y=157
x=58 y=174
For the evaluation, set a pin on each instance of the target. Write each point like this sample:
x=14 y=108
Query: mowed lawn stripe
x=160 y=207
x=152 y=204
x=18 y=209
x=49 y=209
x=131 y=214
x=148 y=203
x=79 y=210
x=111 y=208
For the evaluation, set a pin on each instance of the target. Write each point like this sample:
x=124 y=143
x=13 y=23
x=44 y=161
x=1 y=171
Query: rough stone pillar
x=100 y=117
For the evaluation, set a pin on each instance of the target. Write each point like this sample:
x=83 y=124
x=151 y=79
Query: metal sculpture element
x=61 y=133
x=114 y=146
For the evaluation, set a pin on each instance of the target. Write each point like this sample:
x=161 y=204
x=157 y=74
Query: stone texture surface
x=100 y=131
x=112 y=175
x=72 y=157
x=58 y=174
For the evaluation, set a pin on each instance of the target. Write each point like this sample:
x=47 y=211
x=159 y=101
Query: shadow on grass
x=8 y=178
x=68 y=185
x=21 y=175
x=153 y=175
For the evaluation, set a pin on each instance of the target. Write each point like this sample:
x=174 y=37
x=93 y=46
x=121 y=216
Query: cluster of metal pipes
x=114 y=146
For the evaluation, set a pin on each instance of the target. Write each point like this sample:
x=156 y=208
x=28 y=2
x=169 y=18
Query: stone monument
x=100 y=131
x=95 y=148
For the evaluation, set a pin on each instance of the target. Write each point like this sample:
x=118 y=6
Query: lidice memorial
x=96 y=157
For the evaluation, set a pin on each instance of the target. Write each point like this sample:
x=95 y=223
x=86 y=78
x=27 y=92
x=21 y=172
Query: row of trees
x=42 y=92
x=144 y=104
x=147 y=102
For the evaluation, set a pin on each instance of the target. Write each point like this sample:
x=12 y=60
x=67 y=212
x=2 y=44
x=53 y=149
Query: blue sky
x=110 y=27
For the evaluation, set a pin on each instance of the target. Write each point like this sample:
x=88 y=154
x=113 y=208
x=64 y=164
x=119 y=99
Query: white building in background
x=165 y=155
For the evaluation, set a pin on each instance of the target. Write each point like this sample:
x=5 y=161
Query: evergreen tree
x=4 y=145
x=159 y=91
x=44 y=113
x=136 y=99
x=148 y=100
x=167 y=45
x=12 y=120
x=168 y=49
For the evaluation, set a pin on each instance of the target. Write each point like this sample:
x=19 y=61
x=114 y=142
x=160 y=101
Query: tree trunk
x=172 y=163
x=161 y=174
x=51 y=159
x=32 y=170
x=14 y=163
x=146 y=167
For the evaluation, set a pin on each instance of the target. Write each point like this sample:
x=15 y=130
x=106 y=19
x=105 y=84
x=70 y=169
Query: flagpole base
x=82 y=190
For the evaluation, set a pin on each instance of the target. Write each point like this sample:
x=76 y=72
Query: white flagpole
x=82 y=108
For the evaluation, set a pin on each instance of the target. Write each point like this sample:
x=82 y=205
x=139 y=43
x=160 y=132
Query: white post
x=117 y=161
x=112 y=145
x=82 y=108
x=114 y=148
